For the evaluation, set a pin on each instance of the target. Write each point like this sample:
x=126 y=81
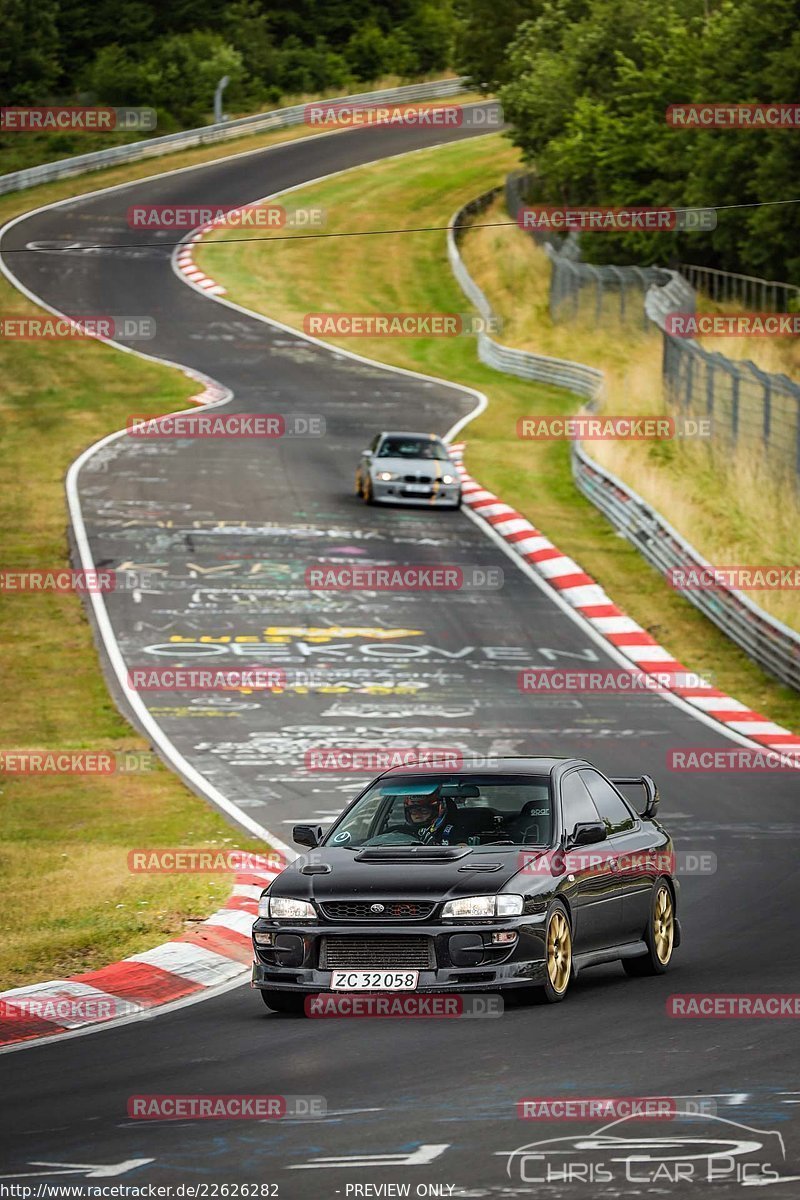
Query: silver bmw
x=408 y=468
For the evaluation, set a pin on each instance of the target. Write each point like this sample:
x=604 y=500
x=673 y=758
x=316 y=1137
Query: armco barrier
x=279 y=118
x=770 y=643
x=773 y=645
x=560 y=372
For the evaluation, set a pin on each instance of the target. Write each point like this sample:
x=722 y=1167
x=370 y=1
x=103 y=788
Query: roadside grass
x=70 y=902
x=405 y=272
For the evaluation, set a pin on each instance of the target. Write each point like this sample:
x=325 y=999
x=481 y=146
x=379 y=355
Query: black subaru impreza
x=514 y=876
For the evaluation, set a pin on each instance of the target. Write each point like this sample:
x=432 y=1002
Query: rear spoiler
x=650 y=791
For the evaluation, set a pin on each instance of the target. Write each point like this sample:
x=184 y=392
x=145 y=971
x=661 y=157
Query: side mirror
x=366 y=454
x=307 y=835
x=587 y=833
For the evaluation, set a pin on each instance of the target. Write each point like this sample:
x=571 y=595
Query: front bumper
x=440 y=496
x=295 y=962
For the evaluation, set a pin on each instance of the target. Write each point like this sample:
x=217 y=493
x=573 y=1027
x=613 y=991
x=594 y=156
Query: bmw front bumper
x=396 y=492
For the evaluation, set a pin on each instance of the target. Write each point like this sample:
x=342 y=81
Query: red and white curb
x=188 y=267
x=216 y=952
x=212 y=393
x=587 y=598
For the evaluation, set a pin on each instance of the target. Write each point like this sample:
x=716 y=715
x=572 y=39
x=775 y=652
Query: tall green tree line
x=586 y=83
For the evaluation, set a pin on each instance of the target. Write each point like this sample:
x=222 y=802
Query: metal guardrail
x=279 y=118
x=770 y=643
x=560 y=372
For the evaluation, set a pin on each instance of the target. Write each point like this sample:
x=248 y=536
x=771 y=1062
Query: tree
x=181 y=71
x=29 y=61
x=483 y=33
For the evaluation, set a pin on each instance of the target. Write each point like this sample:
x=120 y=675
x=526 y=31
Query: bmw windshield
x=412 y=447
x=447 y=810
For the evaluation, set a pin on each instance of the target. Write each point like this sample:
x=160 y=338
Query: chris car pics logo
x=699 y=1147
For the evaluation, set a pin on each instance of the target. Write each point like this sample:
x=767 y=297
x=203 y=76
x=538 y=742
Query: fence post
x=735 y=405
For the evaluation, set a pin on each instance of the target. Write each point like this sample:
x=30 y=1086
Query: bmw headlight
x=448 y=479
x=283 y=908
x=386 y=476
x=484 y=906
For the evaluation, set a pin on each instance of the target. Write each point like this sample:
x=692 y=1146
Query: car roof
x=533 y=764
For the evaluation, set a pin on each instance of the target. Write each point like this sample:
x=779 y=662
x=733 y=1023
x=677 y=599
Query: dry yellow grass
x=732 y=511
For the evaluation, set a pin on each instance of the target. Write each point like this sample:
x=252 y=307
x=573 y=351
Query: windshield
x=412 y=447
x=450 y=810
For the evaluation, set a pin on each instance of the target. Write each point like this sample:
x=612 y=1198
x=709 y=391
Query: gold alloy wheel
x=559 y=952
x=663 y=925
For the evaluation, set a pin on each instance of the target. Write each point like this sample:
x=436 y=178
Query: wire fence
x=724 y=287
x=751 y=411
x=579 y=289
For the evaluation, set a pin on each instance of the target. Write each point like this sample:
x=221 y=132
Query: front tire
x=660 y=936
x=284 y=1002
x=558 y=949
x=367 y=492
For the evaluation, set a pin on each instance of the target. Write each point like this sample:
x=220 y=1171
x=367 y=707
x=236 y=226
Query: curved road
x=226 y=530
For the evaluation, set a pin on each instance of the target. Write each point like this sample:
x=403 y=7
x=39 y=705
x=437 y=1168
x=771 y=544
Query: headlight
x=283 y=908
x=448 y=479
x=484 y=906
x=386 y=476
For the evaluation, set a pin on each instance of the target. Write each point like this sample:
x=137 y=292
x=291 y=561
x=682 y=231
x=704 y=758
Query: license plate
x=420 y=488
x=374 y=981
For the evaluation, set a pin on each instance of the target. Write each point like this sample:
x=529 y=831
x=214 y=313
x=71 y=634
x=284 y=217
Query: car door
x=593 y=886
x=628 y=843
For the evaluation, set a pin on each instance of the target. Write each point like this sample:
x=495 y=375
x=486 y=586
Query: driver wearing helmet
x=428 y=816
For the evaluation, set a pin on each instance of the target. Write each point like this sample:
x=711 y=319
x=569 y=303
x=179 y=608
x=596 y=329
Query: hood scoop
x=481 y=866
x=411 y=854
x=315 y=869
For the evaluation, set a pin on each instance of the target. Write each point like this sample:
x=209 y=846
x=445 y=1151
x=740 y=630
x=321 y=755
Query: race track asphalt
x=226 y=529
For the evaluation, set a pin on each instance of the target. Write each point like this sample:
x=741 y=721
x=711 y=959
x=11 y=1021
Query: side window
x=576 y=803
x=615 y=813
x=375 y=440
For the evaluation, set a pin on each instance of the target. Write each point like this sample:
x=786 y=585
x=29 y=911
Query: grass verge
x=425 y=189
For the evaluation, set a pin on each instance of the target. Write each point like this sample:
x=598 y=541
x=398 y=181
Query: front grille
x=377 y=953
x=393 y=910
x=417 y=479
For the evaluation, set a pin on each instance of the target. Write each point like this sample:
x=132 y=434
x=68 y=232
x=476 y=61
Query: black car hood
x=400 y=872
